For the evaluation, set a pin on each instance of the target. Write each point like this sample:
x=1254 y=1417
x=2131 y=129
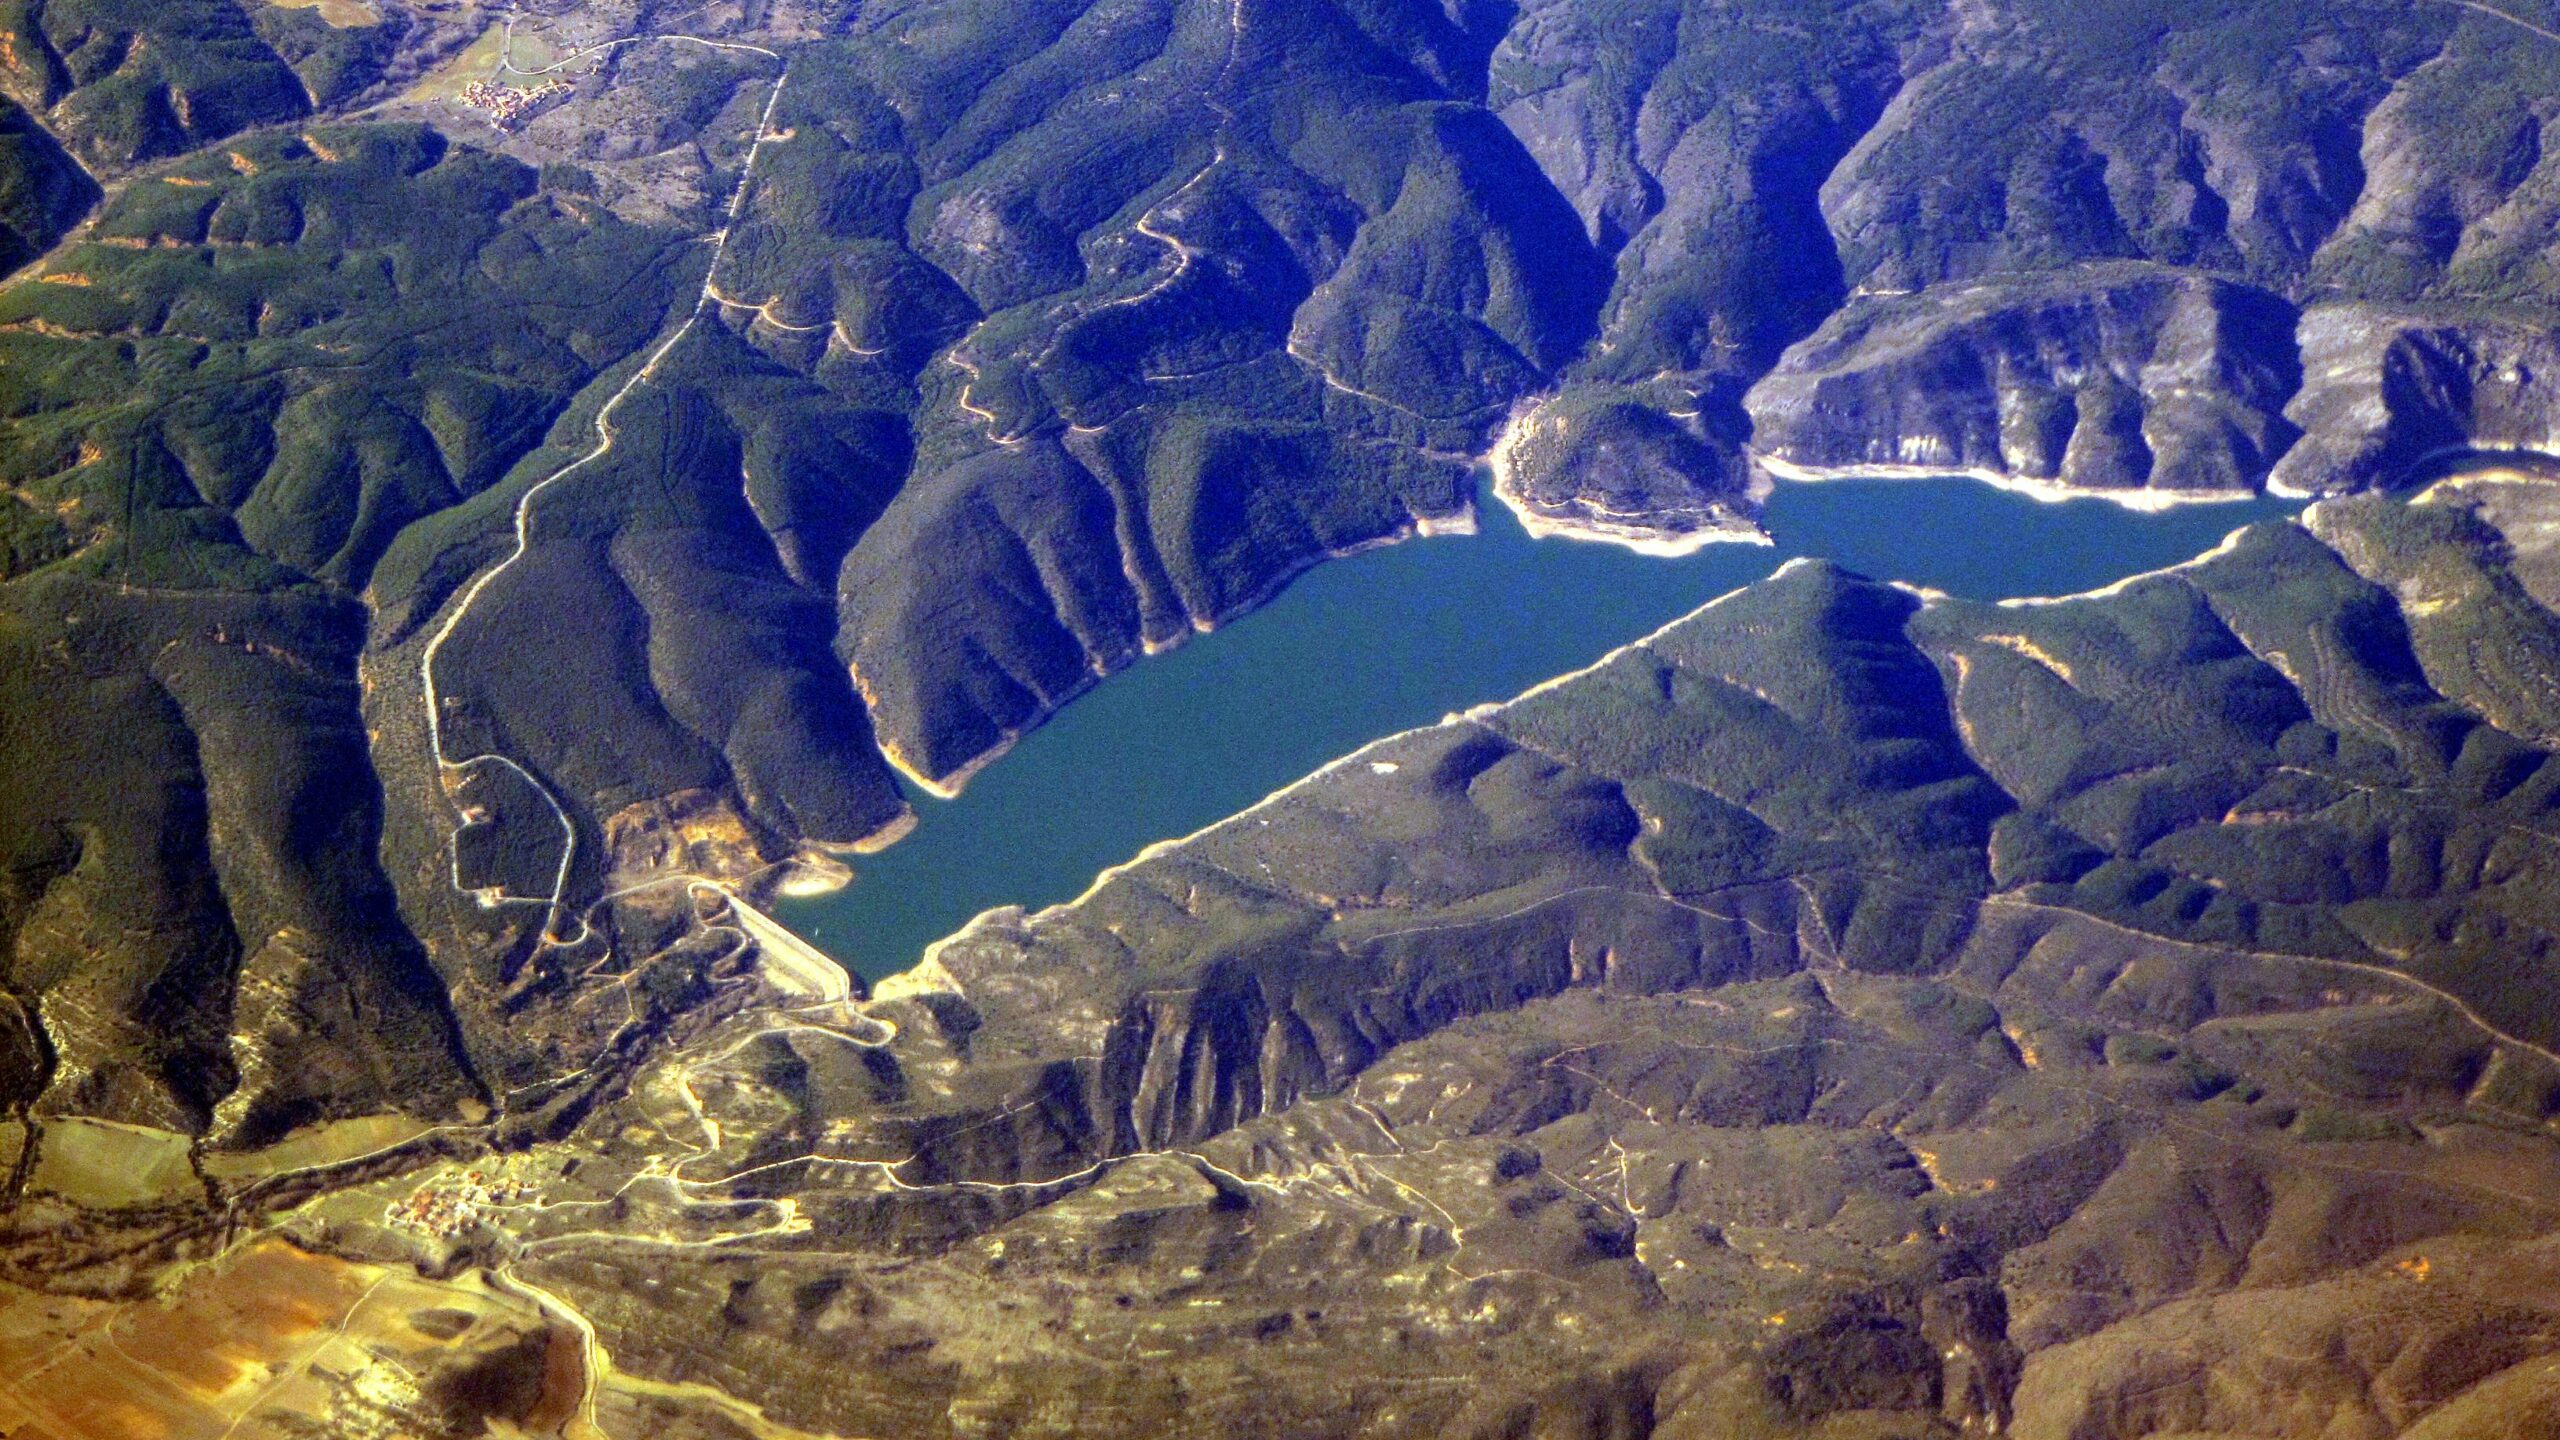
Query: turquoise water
x=1399 y=637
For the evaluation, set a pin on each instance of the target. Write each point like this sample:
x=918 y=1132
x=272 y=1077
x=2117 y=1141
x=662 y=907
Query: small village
x=509 y=105
x=444 y=1209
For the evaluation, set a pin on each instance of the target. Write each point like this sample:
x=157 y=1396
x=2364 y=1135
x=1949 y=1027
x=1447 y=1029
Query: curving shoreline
x=1628 y=532
x=952 y=783
x=2036 y=488
x=1396 y=642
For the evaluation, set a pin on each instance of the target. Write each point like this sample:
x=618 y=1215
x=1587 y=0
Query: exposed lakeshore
x=2142 y=500
x=1399 y=638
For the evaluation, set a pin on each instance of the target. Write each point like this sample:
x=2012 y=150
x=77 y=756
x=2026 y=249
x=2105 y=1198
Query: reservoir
x=1359 y=648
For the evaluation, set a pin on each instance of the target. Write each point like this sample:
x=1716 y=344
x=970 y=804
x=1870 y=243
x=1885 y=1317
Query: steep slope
x=225 y=402
x=769 y=399
x=1845 y=1012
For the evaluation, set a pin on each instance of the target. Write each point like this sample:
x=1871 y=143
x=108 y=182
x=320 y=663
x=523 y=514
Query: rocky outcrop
x=2134 y=380
x=1596 y=464
x=2115 y=379
x=2388 y=388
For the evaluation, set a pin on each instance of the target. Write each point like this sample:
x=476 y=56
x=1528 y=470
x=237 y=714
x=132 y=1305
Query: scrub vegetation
x=449 y=573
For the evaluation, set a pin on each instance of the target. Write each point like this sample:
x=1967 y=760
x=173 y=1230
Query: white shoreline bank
x=2043 y=491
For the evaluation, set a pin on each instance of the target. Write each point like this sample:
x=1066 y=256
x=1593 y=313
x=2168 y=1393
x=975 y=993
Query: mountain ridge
x=1030 y=340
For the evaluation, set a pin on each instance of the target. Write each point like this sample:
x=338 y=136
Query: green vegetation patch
x=307 y=343
x=135 y=80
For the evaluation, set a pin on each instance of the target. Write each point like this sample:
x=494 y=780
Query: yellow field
x=271 y=1331
x=480 y=61
x=327 y=1143
x=344 y=14
x=99 y=1162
